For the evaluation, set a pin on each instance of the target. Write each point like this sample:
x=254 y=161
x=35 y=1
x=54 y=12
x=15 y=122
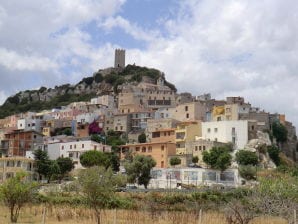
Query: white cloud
x=13 y=61
x=228 y=47
x=232 y=48
x=132 y=29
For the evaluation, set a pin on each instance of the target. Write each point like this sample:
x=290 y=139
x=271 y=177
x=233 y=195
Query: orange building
x=159 y=151
x=164 y=135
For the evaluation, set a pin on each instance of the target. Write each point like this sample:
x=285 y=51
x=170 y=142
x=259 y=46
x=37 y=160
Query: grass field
x=69 y=215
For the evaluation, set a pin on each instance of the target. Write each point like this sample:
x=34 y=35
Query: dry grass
x=68 y=215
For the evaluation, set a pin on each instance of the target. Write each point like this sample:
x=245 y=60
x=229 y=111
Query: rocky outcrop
x=259 y=145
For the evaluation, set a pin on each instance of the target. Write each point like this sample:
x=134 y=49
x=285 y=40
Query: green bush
x=273 y=152
x=248 y=172
x=98 y=77
x=244 y=157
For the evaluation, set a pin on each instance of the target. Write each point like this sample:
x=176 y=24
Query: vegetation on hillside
x=16 y=104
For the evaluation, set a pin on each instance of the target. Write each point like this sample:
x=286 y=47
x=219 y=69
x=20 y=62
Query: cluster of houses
x=175 y=125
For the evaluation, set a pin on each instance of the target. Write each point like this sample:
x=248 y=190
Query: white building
x=73 y=149
x=236 y=132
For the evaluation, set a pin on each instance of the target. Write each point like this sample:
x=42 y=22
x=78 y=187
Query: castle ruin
x=119 y=58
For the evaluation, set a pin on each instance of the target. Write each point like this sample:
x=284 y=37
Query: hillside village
x=140 y=113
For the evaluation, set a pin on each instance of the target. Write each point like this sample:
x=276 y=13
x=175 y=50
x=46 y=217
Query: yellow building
x=186 y=132
x=231 y=112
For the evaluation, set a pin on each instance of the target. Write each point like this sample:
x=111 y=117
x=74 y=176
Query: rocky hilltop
x=104 y=81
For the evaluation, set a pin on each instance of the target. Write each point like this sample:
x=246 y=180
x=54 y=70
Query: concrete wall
x=172 y=178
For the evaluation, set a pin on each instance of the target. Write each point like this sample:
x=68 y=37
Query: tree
x=195 y=159
x=53 y=170
x=67 y=131
x=280 y=132
x=15 y=193
x=273 y=152
x=98 y=186
x=97 y=138
x=65 y=166
x=142 y=138
x=42 y=163
x=114 y=161
x=175 y=161
x=244 y=157
x=94 y=158
x=139 y=170
x=217 y=158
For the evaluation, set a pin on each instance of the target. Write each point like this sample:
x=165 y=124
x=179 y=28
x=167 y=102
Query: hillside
x=102 y=82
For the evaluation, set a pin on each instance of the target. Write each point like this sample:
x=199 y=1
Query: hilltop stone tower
x=119 y=58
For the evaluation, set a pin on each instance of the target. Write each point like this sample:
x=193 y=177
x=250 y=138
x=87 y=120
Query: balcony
x=180 y=136
x=159 y=102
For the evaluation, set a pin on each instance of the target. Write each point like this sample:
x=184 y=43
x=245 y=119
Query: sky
x=243 y=48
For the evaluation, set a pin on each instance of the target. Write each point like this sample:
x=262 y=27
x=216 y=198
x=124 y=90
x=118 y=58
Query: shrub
x=248 y=172
x=244 y=157
x=98 y=77
x=273 y=152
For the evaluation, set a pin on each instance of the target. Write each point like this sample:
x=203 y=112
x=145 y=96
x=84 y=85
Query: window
x=186 y=108
x=218 y=118
x=204 y=147
x=252 y=127
x=70 y=155
x=162 y=164
x=208 y=130
x=162 y=148
x=150 y=149
x=196 y=148
x=62 y=147
x=200 y=148
x=95 y=147
x=143 y=149
x=187 y=115
x=215 y=130
x=75 y=146
x=234 y=140
x=137 y=149
x=121 y=127
x=215 y=139
x=82 y=146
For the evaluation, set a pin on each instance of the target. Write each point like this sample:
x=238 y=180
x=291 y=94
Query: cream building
x=193 y=111
x=9 y=166
x=134 y=98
